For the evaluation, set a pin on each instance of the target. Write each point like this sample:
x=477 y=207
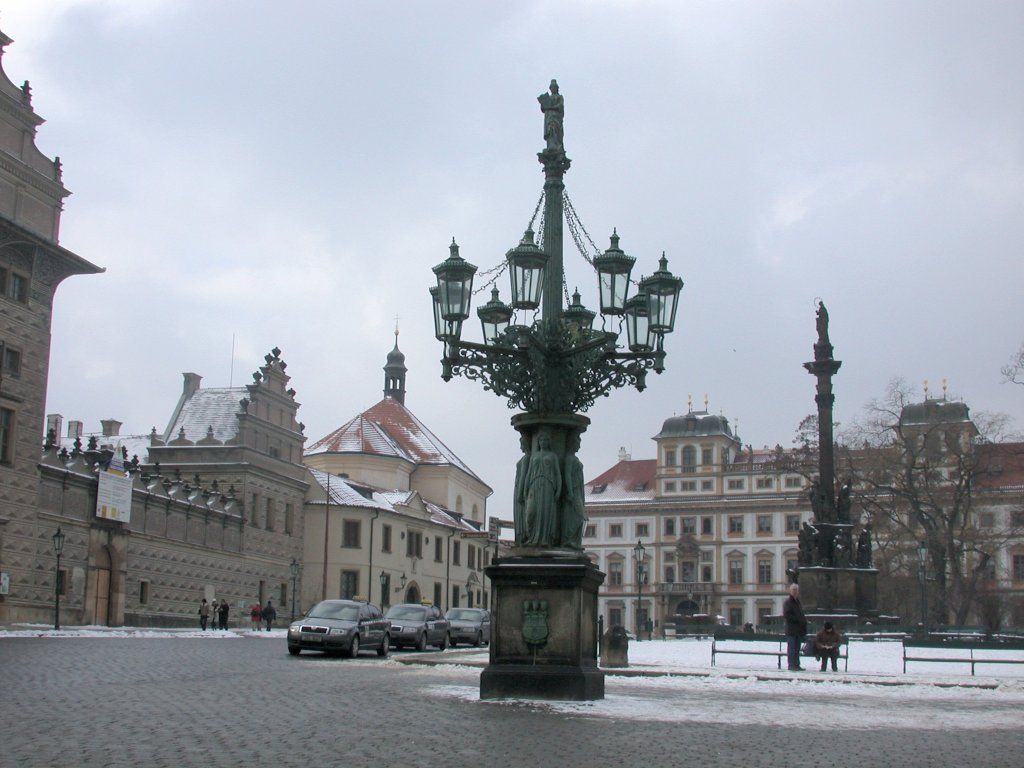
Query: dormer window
x=598 y=487
x=640 y=487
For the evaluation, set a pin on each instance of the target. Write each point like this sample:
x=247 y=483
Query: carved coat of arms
x=535 y=622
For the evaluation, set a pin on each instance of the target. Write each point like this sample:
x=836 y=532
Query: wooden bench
x=753 y=637
x=954 y=644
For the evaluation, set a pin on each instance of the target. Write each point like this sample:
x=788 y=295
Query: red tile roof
x=389 y=429
x=1001 y=465
x=627 y=480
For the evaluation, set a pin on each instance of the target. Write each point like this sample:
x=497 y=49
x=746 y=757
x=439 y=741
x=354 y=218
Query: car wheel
x=385 y=646
x=478 y=640
x=443 y=645
x=353 y=650
x=421 y=642
x=294 y=650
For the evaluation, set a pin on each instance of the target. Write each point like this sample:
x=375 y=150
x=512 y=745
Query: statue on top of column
x=822 y=324
x=553 y=106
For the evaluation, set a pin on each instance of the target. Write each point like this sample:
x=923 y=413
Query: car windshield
x=329 y=610
x=407 y=612
x=464 y=614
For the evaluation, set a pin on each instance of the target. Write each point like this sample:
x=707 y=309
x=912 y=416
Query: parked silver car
x=469 y=625
x=418 y=626
x=340 y=626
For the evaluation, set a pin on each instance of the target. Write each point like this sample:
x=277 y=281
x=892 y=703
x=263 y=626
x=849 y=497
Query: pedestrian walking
x=204 y=614
x=826 y=646
x=256 y=615
x=213 y=613
x=222 y=614
x=269 y=614
x=796 y=627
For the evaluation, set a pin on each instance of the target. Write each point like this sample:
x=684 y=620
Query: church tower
x=394 y=374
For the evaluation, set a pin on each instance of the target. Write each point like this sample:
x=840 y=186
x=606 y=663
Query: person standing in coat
x=826 y=646
x=222 y=614
x=256 y=615
x=796 y=627
x=269 y=614
x=204 y=614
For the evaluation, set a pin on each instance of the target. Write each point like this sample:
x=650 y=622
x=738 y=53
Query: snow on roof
x=216 y=407
x=389 y=429
x=626 y=481
x=136 y=445
x=347 y=493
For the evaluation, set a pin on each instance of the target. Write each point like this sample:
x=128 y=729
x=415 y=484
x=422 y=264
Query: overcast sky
x=290 y=172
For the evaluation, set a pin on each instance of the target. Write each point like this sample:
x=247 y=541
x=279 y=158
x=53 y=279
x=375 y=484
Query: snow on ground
x=47 y=630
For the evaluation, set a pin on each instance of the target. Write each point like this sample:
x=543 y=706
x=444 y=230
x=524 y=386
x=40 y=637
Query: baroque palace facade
x=719 y=523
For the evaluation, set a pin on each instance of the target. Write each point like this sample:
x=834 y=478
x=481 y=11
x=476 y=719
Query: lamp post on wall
x=58 y=548
x=638 y=553
x=294 y=568
x=922 y=574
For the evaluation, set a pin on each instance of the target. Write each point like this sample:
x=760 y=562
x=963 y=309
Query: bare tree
x=919 y=470
x=1013 y=371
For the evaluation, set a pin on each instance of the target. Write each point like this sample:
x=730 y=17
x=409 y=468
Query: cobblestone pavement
x=184 y=702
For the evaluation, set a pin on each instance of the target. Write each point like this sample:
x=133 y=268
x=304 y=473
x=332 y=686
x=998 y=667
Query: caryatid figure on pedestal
x=843 y=504
x=519 y=494
x=543 y=490
x=553 y=106
x=574 y=516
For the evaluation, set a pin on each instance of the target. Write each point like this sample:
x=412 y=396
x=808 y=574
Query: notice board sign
x=114 y=495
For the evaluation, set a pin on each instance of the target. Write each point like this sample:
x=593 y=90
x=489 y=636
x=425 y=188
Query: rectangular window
x=670 y=526
x=455 y=595
x=349 y=584
x=414 y=543
x=735 y=524
x=255 y=510
x=706 y=573
x=670 y=457
x=615 y=531
x=735 y=484
x=385 y=538
x=764 y=524
x=764 y=612
x=670 y=486
x=707 y=485
x=687 y=485
x=1017 y=519
x=1018 y=567
x=987 y=519
x=614 y=617
x=765 y=482
x=706 y=526
x=289 y=519
x=11 y=361
x=350 y=534
x=736 y=616
x=456 y=553
x=689 y=525
x=270 y=515
x=438 y=549
x=284 y=594
x=615 y=573
x=590 y=532
x=794 y=482
x=143 y=592
x=707 y=456
x=437 y=593
x=62 y=582
x=642 y=530
x=6 y=436
x=471 y=557
x=670 y=573
x=735 y=571
x=792 y=523
x=764 y=571
x=17 y=287
x=706 y=555
x=385 y=591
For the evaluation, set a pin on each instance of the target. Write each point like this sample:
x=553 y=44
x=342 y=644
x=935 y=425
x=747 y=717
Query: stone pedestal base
x=543 y=628
x=837 y=592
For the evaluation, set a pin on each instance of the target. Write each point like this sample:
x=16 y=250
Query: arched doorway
x=101 y=591
x=412 y=593
x=687 y=608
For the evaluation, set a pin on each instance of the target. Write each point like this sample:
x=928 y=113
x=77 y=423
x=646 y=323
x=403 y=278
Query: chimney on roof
x=55 y=422
x=111 y=427
x=623 y=455
x=192 y=381
x=74 y=429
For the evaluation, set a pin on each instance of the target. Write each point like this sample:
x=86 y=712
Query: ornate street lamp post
x=922 y=575
x=638 y=555
x=58 y=548
x=385 y=580
x=294 y=568
x=544 y=355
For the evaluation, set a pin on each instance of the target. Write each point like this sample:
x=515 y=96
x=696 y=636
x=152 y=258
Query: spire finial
x=689 y=403
x=705 y=401
x=926 y=389
x=943 y=388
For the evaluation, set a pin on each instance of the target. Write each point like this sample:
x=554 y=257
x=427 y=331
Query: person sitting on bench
x=826 y=646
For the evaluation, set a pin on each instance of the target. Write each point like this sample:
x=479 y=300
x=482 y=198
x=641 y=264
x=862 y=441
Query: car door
x=485 y=626
x=435 y=626
x=367 y=630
